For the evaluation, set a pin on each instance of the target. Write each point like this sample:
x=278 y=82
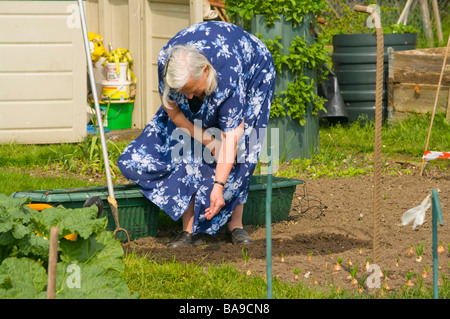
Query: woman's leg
x=185 y=238
x=236 y=218
x=235 y=228
x=188 y=217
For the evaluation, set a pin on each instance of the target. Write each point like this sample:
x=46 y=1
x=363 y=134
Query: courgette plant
x=302 y=56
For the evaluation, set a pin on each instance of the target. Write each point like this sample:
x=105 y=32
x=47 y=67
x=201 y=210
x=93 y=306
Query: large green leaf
x=35 y=245
x=82 y=221
x=9 y=202
x=101 y=250
x=21 y=278
x=89 y=281
x=94 y=261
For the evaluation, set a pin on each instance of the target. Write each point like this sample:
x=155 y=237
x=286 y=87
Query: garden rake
x=111 y=198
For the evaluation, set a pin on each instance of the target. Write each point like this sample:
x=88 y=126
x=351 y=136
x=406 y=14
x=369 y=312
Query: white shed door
x=43 y=77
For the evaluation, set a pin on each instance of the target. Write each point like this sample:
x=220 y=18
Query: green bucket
x=283 y=190
x=119 y=116
x=136 y=213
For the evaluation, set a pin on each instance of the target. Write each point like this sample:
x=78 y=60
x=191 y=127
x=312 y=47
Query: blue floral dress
x=169 y=166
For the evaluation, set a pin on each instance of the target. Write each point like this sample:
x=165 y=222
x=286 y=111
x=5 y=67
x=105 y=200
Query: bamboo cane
x=435 y=103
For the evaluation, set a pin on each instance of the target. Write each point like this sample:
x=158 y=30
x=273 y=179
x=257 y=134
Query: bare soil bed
x=331 y=219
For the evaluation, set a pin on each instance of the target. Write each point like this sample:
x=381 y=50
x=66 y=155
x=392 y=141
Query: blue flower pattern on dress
x=170 y=167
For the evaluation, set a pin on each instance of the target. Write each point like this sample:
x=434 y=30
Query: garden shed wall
x=43 y=72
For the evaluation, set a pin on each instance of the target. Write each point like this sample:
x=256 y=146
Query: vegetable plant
x=425 y=272
x=361 y=282
x=444 y=280
x=348 y=21
x=409 y=276
x=245 y=256
x=410 y=251
x=353 y=270
x=89 y=267
x=386 y=286
x=440 y=248
x=301 y=93
x=338 y=264
x=367 y=265
x=315 y=281
x=296 y=272
x=419 y=281
x=419 y=252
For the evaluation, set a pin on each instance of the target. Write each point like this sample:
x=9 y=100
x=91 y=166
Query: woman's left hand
x=216 y=202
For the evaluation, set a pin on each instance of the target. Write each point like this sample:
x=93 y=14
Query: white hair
x=186 y=62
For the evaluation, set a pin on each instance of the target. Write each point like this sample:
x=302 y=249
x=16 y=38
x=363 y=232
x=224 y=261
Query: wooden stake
x=437 y=20
x=427 y=22
x=404 y=12
x=52 y=261
x=447 y=116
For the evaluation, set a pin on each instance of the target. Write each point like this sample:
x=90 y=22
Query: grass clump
x=346 y=150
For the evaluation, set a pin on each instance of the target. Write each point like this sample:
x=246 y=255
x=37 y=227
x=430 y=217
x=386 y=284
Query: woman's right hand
x=216 y=202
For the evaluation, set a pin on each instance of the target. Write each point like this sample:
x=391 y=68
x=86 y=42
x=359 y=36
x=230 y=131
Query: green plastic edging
x=259 y=182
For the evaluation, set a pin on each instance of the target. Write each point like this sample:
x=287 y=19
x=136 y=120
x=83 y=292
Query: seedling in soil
x=425 y=272
x=409 y=275
x=310 y=255
x=338 y=265
x=386 y=274
x=353 y=270
x=419 y=281
x=350 y=262
x=360 y=250
x=361 y=282
x=331 y=257
x=419 y=252
x=282 y=257
x=386 y=286
x=366 y=267
x=444 y=279
x=410 y=252
x=296 y=272
x=440 y=249
x=396 y=263
x=245 y=256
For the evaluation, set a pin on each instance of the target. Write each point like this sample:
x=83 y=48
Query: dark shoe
x=198 y=240
x=187 y=239
x=183 y=239
x=239 y=236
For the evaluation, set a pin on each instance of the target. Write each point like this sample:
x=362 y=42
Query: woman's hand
x=216 y=202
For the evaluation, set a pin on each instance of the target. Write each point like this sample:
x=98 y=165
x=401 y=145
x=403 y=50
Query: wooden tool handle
x=52 y=261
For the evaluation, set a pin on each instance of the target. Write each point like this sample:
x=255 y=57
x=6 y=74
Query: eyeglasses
x=167 y=65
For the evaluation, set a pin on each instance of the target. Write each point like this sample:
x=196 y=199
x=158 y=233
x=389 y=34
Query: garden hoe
x=111 y=198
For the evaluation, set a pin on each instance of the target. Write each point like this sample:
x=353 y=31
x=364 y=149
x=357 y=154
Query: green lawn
x=33 y=167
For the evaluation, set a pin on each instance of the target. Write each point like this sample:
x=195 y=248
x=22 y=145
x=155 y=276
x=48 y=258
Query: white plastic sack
x=417 y=213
